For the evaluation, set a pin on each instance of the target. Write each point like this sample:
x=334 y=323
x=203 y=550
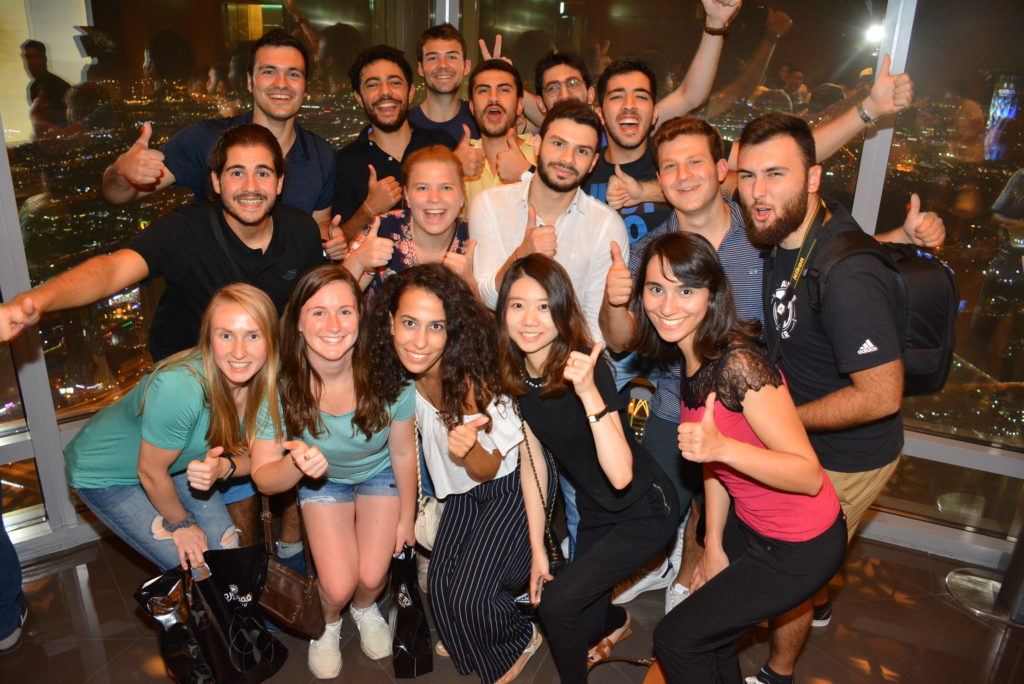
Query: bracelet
x=368 y=209
x=231 y=470
x=594 y=417
x=724 y=31
x=864 y=116
x=189 y=521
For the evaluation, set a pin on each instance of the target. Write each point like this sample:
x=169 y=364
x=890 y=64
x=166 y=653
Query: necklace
x=531 y=383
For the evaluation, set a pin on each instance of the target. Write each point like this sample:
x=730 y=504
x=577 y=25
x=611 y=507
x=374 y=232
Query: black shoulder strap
x=842 y=246
x=218 y=235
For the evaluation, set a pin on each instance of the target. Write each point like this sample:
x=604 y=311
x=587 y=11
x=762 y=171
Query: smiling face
x=528 y=320
x=690 y=179
x=384 y=95
x=329 y=322
x=237 y=343
x=495 y=103
x=628 y=109
x=443 y=66
x=278 y=82
x=419 y=331
x=775 y=185
x=435 y=196
x=248 y=185
x=675 y=310
x=568 y=152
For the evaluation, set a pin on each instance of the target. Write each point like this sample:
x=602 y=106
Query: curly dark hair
x=469 y=364
x=566 y=314
x=694 y=263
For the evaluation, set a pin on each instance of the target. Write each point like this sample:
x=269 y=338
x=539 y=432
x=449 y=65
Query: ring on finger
x=306 y=456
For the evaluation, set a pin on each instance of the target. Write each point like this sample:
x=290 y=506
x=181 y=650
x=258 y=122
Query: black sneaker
x=11 y=642
x=822 y=615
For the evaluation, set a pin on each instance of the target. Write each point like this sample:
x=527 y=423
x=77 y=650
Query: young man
x=46 y=91
x=278 y=68
x=842 y=363
x=442 y=63
x=549 y=213
x=369 y=169
x=496 y=100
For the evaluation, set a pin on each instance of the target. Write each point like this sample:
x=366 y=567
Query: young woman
x=139 y=464
x=351 y=450
x=430 y=231
x=775 y=532
x=628 y=507
x=427 y=325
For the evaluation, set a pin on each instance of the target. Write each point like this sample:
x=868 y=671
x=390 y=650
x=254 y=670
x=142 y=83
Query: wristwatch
x=189 y=521
x=594 y=417
x=231 y=470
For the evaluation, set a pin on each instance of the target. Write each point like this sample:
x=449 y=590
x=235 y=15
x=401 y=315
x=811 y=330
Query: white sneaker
x=325 y=653
x=674 y=595
x=374 y=633
x=631 y=588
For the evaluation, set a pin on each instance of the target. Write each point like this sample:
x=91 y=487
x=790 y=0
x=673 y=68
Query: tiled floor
x=893 y=622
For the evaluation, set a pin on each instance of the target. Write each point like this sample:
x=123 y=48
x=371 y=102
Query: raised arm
x=138 y=172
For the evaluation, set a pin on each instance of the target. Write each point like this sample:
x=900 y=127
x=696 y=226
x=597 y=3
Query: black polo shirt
x=183 y=249
x=353 y=161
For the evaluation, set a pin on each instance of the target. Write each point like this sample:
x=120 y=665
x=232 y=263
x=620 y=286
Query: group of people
x=456 y=305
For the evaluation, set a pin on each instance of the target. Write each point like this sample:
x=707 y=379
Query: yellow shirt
x=488 y=178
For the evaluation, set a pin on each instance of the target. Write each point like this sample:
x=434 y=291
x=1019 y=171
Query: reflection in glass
x=22 y=495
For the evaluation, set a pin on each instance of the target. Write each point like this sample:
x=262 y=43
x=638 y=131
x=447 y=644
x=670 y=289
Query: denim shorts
x=326 y=491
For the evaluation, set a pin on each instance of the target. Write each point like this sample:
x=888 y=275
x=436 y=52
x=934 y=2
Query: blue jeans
x=127 y=511
x=572 y=513
x=10 y=582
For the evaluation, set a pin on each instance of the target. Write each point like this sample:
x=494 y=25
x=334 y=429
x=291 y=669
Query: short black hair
x=440 y=32
x=778 y=124
x=553 y=59
x=375 y=53
x=34 y=45
x=626 y=65
x=574 y=110
x=277 y=37
x=496 y=65
x=246 y=135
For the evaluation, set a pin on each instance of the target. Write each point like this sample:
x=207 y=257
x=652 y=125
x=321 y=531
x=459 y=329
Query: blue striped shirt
x=743 y=267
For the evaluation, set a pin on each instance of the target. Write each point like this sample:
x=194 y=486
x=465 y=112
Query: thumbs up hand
x=623 y=190
x=310 y=461
x=579 y=369
x=701 y=442
x=472 y=158
x=538 y=238
x=369 y=251
x=204 y=474
x=923 y=228
x=15 y=316
x=461 y=264
x=890 y=93
x=381 y=194
x=462 y=437
x=511 y=161
x=336 y=245
x=618 y=286
x=140 y=165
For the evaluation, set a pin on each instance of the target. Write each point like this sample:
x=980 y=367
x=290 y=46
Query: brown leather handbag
x=289 y=599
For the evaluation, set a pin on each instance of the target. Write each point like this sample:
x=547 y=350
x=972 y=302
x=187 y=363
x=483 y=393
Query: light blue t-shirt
x=175 y=416
x=351 y=457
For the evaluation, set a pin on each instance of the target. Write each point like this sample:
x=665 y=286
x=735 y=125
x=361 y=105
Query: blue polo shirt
x=308 y=166
x=744 y=268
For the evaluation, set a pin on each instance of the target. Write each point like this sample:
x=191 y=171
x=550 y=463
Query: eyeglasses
x=573 y=85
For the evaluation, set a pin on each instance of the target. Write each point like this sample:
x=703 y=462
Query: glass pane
x=12 y=414
x=955 y=496
x=22 y=495
x=959 y=148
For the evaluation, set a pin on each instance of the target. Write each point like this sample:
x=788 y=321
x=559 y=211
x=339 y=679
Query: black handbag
x=211 y=625
x=289 y=599
x=411 y=647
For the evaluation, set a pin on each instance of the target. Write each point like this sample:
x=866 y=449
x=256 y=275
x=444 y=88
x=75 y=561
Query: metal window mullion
x=874 y=158
x=30 y=366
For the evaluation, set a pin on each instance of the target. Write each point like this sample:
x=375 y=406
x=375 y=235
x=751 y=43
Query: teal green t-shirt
x=176 y=416
x=350 y=456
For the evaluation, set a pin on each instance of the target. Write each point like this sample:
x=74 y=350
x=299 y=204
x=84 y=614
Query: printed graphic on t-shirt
x=784 y=310
x=867 y=347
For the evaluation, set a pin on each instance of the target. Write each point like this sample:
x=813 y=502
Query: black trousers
x=765 y=578
x=575 y=607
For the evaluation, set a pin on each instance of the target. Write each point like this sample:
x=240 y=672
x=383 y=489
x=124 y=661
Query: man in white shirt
x=550 y=214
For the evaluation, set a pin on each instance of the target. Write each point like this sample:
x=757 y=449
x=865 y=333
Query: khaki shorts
x=857 y=491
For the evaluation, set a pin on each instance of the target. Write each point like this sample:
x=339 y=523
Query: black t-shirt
x=560 y=423
x=643 y=217
x=855 y=330
x=52 y=88
x=183 y=248
x=352 y=172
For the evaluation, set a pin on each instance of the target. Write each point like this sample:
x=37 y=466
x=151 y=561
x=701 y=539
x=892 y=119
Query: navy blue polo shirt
x=354 y=160
x=452 y=127
x=308 y=166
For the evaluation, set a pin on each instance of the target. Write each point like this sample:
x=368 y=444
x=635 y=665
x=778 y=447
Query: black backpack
x=927 y=300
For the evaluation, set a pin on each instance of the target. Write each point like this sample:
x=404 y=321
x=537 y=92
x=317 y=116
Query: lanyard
x=821 y=216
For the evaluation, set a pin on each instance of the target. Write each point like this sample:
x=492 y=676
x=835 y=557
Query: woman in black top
x=628 y=507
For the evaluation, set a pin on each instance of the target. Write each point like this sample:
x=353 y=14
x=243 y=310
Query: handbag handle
x=266 y=516
x=549 y=509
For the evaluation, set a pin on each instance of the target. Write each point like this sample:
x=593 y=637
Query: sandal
x=604 y=647
x=535 y=641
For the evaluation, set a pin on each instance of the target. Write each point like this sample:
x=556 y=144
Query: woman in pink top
x=775 y=532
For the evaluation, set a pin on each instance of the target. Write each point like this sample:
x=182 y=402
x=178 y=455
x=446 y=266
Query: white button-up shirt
x=584 y=232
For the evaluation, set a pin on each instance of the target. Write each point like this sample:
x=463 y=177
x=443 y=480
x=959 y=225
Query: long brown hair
x=236 y=433
x=573 y=332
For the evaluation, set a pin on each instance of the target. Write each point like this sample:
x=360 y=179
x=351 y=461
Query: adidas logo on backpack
x=927 y=300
